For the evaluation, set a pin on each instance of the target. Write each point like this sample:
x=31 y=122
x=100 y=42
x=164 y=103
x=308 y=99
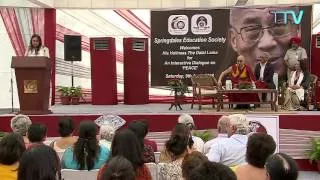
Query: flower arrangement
x=245 y=85
x=178 y=86
x=70 y=95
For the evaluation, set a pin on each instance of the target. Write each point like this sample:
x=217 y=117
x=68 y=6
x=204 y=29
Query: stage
x=295 y=127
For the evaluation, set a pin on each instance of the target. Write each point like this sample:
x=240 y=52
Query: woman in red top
x=125 y=143
x=240 y=73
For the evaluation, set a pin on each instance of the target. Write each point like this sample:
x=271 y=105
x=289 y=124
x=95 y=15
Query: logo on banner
x=284 y=15
x=201 y=24
x=178 y=24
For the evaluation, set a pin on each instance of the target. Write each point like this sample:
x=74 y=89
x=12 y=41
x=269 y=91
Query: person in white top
x=36 y=48
x=222 y=133
x=232 y=151
x=188 y=120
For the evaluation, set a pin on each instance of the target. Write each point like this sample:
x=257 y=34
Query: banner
x=188 y=42
x=266 y=124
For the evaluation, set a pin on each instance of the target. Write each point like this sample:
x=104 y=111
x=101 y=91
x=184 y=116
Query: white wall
x=7 y=52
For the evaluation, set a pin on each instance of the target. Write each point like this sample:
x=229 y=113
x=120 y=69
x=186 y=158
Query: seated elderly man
x=188 y=120
x=222 y=134
x=232 y=151
x=20 y=125
x=106 y=135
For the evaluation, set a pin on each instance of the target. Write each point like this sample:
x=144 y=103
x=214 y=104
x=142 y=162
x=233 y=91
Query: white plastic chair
x=70 y=174
x=153 y=170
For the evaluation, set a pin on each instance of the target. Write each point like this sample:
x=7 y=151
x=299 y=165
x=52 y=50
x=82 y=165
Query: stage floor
x=153 y=109
x=122 y=109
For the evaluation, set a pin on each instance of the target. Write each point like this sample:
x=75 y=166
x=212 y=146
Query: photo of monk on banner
x=256 y=31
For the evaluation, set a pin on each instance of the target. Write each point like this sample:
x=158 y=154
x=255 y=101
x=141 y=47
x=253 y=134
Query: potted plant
x=64 y=95
x=179 y=89
x=205 y=135
x=314 y=153
x=75 y=94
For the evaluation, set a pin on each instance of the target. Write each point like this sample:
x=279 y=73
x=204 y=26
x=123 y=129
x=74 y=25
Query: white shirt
x=43 y=51
x=198 y=143
x=230 y=152
x=263 y=66
x=208 y=144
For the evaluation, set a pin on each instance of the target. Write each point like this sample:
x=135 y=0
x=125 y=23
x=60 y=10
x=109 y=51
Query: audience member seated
x=188 y=120
x=211 y=170
x=260 y=146
x=191 y=161
x=86 y=153
x=149 y=142
x=37 y=133
x=281 y=166
x=11 y=149
x=66 y=128
x=125 y=143
x=40 y=162
x=106 y=135
x=20 y=124
x=140 y=129
x=297 y=84
x=119 y=168
x=232 y=151
x=222 y=134
x=179 y=145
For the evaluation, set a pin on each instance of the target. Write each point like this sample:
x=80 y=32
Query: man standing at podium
x=36 y=48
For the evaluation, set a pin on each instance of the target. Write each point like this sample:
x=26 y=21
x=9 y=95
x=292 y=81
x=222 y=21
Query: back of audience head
x=119 y=168
x=86 y=149
x=140 y=129
x=107 y=132
x=11 y=148
x=66 y=127
x=191 y=161
x=281 y=166
x=259 y=147
x=238 y=124
x=41 y=163
x=37 y=133
x=223 y=124
x=180 y=140
x=20 y=124
x=125 y=143
x=187 y=120
x=211 y=170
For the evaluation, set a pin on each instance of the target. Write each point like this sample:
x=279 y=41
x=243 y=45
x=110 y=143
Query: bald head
x=223 y=124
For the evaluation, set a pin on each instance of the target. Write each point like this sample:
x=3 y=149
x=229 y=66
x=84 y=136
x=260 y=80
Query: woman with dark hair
x=125 y=143
x=66 y=128
x=140 y=129
x=11 y=149
x=191 y=161
x=36 y=48
x=179 y=145
x=40 y=162
x=297 y=84
x=281 y=166
x=86 y=153
x=37 y=133
x=119 y=168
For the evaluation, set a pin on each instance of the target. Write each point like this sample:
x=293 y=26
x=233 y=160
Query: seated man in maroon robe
x=240 y=73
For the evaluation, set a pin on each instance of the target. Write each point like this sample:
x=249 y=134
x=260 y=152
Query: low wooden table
x=272 y=92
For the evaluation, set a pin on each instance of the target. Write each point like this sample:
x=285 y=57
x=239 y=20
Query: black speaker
x=72 y=48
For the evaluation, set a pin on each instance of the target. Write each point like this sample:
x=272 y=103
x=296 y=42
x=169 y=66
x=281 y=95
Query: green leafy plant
x=314 y=153
x=178 y=86
x=75 y=91
x=2 y=134
x=64 y=91
x=205 y=135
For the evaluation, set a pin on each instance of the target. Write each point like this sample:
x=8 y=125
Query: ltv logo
x=296 y=18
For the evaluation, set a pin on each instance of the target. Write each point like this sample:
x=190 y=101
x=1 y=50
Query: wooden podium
x=33 y=82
